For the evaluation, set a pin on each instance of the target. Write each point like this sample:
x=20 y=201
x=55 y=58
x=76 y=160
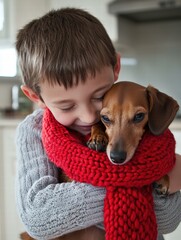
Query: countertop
x=12 y=119
x=10 y=122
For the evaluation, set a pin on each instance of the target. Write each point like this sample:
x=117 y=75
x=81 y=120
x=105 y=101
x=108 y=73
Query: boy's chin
x=84 y=132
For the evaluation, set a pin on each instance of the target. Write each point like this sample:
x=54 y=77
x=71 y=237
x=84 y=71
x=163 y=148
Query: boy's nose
x=89 y=115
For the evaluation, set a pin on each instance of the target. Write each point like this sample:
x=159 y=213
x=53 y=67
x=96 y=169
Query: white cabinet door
x=11 y=225
x=177 y=135
x=176 y=235
x=1 y=187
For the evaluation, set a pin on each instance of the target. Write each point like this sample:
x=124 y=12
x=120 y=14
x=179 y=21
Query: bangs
x=74 y=66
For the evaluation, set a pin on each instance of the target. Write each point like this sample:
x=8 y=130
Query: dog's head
x=128 y=109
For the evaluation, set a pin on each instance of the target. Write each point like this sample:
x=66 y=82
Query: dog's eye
x=138 y=117
x=105 y=119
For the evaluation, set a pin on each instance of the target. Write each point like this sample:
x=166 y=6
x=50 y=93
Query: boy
x=68 y=63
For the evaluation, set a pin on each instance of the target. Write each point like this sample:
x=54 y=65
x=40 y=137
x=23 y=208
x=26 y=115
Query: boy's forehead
x=102 y=80
x=105 y=73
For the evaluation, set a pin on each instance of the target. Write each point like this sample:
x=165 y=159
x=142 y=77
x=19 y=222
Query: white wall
x=23 y=11
x=97 y=8
x=157 y=50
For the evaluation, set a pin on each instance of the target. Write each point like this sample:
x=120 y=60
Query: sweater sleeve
x=49 y=208
x=168 y=212
x=46 y=207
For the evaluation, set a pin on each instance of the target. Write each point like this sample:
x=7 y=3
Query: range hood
x=146 y=10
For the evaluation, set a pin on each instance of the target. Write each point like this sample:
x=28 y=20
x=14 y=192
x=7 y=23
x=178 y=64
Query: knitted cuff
x=167 y=212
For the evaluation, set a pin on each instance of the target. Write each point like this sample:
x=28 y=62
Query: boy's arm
x=168 y=209
x=175 y=176
x=168 y=212
x=46 y=207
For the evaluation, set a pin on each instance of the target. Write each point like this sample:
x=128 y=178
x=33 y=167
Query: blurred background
x=147 y=33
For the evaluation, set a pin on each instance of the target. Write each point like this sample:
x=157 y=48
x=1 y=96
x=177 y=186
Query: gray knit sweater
x=48 y=208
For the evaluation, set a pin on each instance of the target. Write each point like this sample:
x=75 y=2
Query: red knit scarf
x=128 y=207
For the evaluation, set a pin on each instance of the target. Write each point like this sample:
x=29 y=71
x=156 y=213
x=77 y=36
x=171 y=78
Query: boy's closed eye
x=66 y=109
x=97 y=98
x=71 y=107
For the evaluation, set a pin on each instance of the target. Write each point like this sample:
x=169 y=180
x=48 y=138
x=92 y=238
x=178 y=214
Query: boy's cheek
x=63 y=118
x=41 y=104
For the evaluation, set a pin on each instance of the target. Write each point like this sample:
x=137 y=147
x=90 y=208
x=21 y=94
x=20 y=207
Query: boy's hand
x=162 y=186
x=175 y=176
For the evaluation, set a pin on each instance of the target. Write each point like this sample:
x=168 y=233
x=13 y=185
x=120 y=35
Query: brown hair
x=62 y=47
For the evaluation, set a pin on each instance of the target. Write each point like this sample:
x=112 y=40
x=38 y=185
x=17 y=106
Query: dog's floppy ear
x=163 y=109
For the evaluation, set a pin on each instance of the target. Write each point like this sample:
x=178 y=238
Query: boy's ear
x=32 y=96
x=117 y=67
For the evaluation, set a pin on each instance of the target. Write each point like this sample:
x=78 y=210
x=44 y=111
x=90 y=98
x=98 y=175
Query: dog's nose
x=118 y=157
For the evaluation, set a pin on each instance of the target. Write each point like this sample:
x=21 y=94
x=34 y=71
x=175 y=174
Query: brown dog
x=128 y=110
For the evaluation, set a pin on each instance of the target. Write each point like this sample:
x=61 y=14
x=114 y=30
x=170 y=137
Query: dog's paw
x=161 y=186
x=160 y=189
x=98 y=143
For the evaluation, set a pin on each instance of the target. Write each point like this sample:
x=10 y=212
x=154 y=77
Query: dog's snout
x=118 y=157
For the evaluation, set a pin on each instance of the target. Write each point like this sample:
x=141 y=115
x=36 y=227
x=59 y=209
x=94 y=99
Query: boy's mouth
x=84 y=129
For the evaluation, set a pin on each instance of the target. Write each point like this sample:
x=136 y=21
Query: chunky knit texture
x=128 y=207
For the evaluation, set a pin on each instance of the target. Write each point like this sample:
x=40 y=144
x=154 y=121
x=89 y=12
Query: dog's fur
x=129 y=109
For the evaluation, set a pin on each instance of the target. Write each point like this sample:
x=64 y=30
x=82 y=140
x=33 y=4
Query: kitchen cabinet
x=175 y=127
x=176 y=130
x=177 y=134
x=10 y=224
x=3 y=18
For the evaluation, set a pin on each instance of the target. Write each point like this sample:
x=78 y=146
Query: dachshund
x=129 y=109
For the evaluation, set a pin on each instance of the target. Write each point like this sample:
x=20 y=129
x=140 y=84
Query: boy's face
x=78 y=107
